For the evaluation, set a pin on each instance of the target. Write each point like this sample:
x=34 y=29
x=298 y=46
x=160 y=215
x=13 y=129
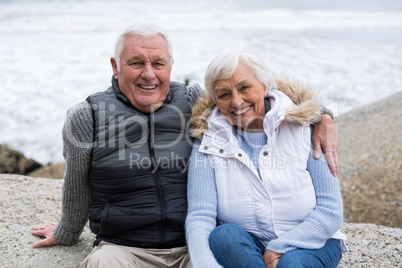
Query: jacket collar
x=281 y=105
x=125 y=100
x=220 y=133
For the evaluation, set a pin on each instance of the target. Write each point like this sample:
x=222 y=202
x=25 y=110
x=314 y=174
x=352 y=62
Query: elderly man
x=127 y=152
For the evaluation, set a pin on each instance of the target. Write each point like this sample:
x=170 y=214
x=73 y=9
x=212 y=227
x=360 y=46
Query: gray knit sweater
x=78 y=128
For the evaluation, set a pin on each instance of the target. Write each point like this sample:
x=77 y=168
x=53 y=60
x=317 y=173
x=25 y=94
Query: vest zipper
x=156 y=179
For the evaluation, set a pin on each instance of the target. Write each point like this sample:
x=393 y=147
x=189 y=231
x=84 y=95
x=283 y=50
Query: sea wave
x=55 y=53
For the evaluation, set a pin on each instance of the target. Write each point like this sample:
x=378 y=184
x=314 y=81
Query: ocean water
x=55 y=53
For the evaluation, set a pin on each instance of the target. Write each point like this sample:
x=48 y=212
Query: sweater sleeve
x=324 y=220
x=77 y=146
x=194 y=91
x=202 y=204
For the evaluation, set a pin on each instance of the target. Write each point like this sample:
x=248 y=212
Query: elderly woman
x=252 y=173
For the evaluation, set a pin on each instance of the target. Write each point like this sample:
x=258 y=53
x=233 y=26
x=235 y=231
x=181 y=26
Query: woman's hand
x=46 y=231
x=324 y=135
x=271 y=258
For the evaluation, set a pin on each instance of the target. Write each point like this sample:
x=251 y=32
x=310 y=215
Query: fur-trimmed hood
x=307 y=108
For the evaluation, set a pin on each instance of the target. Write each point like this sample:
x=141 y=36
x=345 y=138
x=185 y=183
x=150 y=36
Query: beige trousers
x=108 y=255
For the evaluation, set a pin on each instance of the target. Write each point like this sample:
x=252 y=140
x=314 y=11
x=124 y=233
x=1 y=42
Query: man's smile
x=147 y=87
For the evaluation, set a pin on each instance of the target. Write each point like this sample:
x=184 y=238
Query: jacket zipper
x=156 y=179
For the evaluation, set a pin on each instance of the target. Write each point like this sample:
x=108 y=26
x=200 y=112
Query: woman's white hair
x=144 y=29
x=224 y=65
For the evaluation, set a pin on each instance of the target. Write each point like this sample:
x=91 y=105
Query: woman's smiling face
x=240 y=98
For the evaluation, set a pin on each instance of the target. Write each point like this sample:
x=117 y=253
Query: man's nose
x=148 y=72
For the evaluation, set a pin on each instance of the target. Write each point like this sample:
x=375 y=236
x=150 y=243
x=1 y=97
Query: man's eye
x=136 y=64
x=159 y=64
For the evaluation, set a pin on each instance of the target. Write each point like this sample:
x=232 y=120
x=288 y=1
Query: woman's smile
x=242 y=111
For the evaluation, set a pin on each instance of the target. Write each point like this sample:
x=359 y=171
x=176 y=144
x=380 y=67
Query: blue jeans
x=232 y=246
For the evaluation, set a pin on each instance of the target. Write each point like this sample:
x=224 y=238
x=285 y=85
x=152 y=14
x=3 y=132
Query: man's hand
x=324 y=135
x=271 y=258
x=47 y=232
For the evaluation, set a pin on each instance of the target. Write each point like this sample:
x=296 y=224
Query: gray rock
x=26 y=202
x=370 y=159
x=52 y=171
x=12 y=161
x=372 y=245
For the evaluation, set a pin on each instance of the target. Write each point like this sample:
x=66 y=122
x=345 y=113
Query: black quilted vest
x=138 y=174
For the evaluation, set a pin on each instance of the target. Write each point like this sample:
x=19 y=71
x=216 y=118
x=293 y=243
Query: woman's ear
x=267 y=87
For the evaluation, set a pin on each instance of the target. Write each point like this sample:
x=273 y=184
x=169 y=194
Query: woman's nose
x=237 y=100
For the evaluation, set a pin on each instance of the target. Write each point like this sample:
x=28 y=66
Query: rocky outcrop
x=27 y=202
x=370 y=158
x=14 y=162
x=53 y=171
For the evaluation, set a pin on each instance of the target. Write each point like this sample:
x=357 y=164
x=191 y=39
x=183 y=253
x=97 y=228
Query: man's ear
x=114 y=66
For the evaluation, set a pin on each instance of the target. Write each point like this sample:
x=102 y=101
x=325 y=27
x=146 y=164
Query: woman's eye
x=244 y=87
x=223 y=95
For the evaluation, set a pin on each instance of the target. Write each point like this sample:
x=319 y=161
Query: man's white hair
x=144 y=29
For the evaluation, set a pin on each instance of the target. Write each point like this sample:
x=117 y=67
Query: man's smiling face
x=144 y=74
